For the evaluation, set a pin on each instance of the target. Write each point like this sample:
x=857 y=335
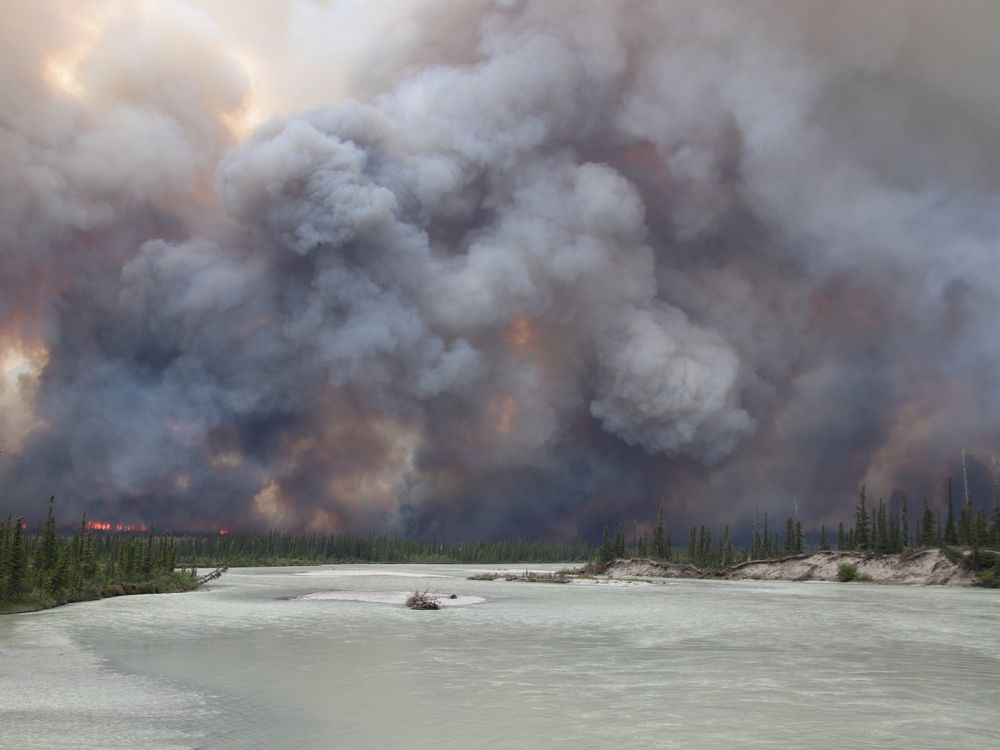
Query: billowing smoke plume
x=481 y=268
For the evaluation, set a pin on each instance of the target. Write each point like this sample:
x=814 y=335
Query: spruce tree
x=607 y=551
x=789 y=536
x=88 y=562
x=904 y=524
x=927 y=537
x=727 y=548
x=4 y=553
x=994 y=530
x=967 y=519
x=148 y=560
x=823 y=543
x=981 y=533
x=862 y=538
x=895 y=535
x=59 y=579
x=950 y=533
x=17 y=562
x=841 y=538
x=798 y=537
x=48 y=552
x=964 y=527
x=129 y=564
x=659 y=549
x=882 y=538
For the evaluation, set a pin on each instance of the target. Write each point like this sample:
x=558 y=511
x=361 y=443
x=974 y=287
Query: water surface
x=688 y=664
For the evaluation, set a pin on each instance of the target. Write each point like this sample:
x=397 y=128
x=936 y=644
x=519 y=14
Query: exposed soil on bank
x=639 y=568
x=923 y=567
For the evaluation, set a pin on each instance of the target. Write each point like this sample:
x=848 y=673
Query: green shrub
x=979 y=559
x=990 y=578
x=847 y=572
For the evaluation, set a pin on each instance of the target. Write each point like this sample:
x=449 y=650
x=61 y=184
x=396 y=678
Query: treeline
x=47 y=568
x=276 y=548
x=877 y=528
x=85 y=564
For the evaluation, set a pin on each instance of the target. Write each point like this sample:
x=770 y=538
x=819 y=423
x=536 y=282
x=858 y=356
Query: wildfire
x=131 y=528
x=123 y=528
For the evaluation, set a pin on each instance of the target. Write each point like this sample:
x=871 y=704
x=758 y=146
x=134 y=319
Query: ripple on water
x=51 y=689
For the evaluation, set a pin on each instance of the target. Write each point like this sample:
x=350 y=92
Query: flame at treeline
x=117 y=527
x=138 y=528
x=466 y=268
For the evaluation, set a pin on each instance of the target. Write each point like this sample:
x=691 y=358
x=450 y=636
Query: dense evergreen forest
x=275 y=548
x=45 y=569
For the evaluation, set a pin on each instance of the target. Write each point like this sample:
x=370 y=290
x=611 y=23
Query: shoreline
x=925 y=567
x=40 y=603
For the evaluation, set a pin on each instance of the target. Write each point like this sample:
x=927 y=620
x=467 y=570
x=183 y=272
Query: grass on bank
x=848 y=573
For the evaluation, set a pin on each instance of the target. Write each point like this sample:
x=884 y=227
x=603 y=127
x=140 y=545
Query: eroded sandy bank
x=924 y=567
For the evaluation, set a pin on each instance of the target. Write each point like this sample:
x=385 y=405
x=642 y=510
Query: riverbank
x=922 y=567
x=36 y=601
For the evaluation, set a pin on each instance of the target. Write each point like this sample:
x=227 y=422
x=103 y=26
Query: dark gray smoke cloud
x=493 y=268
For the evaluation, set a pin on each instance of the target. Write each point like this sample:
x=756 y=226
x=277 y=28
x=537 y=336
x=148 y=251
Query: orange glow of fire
x=60 y=69
x=520 y=334
x=503 y=411
x=117 y=527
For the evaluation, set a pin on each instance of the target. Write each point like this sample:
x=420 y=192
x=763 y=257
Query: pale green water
x=687 y=664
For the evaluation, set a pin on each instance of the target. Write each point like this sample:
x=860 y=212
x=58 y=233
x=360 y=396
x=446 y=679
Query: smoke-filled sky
x=470 y=268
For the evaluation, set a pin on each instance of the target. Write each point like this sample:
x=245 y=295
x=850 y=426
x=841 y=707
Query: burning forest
x=530 y=267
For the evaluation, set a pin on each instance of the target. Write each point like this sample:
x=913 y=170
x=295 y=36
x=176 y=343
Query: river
x=244 y=664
